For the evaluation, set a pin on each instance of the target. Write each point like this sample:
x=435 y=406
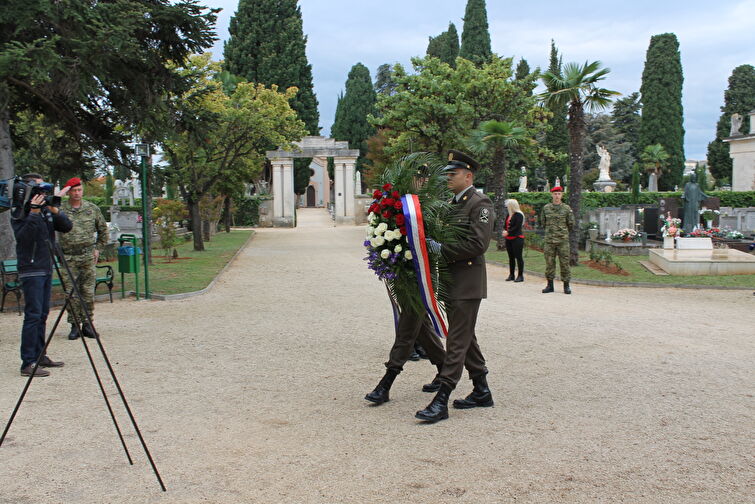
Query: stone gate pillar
x=283 y=192
x=344 y=190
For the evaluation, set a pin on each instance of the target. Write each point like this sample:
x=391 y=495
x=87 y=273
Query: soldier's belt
x=78 y=250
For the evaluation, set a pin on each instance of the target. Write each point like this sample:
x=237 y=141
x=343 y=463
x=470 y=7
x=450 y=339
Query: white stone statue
x=605 y=163
x=122 y=192
x=523 y=180
x=558 y=183
x=357 y=182
x=736 y=123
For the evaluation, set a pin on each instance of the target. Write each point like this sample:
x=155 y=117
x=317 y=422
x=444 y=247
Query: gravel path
x=252 y=393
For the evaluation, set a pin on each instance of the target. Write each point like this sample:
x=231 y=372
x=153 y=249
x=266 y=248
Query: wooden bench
x=9 y=272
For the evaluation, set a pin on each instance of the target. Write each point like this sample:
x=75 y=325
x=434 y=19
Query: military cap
x=558 y=188
x=457 y=159
x=73 y=182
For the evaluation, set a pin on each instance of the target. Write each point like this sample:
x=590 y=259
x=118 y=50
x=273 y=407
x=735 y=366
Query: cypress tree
x=522 y=69
x=738 y=98
x=267 y=45
x=557 y=139
x=352 y=110
x=445 y=46
x=662 y=113
x=475 y=39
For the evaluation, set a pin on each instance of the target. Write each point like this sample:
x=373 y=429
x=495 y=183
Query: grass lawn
x=192 y=271
x=534 y=261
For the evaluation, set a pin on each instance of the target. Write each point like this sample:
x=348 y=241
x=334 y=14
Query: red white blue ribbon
x=415 y=234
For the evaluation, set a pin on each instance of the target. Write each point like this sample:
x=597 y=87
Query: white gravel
x=252 y=393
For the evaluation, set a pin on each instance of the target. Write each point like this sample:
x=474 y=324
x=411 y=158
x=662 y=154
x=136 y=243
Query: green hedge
x=246 y=211
x=591 y=200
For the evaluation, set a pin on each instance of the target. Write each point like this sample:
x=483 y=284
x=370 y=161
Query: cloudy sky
x=714 y=36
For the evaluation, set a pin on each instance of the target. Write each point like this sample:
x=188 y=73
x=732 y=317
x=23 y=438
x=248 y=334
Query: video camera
x=16 y=195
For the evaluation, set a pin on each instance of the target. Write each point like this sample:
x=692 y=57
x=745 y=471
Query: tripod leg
x=31 y=376
x=75 y=290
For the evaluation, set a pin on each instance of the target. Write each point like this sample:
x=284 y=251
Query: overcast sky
x=715 y=36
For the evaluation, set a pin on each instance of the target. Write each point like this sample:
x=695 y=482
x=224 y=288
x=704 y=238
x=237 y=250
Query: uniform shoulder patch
x=484 y=215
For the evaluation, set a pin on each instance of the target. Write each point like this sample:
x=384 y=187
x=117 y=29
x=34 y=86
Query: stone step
x=652 y=268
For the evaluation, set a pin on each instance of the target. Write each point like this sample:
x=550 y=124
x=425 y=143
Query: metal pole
x=145 y=229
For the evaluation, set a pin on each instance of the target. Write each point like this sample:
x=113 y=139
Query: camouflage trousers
x=83 y=268
x=560 y=249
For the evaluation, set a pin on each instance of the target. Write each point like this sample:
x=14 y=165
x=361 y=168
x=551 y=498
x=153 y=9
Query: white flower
x=385 y=254
x=408 y=255
x=380 y=229
x=379 y=241
x=373 y=242
x=397 y=249
x=389 y=235
x=371 y=218
x=370 y=230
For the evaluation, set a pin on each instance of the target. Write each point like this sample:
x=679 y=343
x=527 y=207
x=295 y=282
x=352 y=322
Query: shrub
x=166 y=214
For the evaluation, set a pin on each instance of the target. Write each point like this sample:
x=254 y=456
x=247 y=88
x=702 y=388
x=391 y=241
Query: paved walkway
x=252 y=393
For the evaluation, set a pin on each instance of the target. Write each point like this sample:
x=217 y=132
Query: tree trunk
x=206 y=230
x=499 y=200
x=227 y=210
x=7 y=239
x=196 y=224
x=576 y=140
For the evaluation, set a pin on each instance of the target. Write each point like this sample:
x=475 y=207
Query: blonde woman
x=514 y=235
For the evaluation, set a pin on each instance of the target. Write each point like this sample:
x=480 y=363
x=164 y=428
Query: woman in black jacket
x=514 y=239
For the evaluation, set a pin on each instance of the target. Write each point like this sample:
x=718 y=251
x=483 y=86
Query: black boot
x=549 y=287
x=434 y=385
x=421 y=351
x=480 y=396
x=380 y=394
x=89 y=331
x=74 y=334
x=510 y=277
x=520 y=278
x=438 y=408
x=567 y=289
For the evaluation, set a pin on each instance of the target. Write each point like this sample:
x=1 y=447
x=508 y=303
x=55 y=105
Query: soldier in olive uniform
x=558 y=221
x=466 y=264
x=82 y=247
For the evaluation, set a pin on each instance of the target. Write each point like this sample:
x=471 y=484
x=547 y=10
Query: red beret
x=73 y=182
x=557 y=189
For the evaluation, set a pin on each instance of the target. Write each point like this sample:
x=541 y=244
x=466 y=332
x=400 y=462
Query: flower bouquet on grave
x=410 y=207
x=734 y=235
x=700 y=233
x=708 y=215
x=670 y=226
x=626 y=235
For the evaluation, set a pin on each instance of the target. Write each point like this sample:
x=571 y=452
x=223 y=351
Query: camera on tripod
x=16 y=195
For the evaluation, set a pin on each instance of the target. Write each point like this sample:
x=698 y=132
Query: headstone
x=694 y=244
x=126 y=222
x=122 y=194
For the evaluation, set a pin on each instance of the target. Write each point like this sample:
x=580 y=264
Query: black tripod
x=72 y=294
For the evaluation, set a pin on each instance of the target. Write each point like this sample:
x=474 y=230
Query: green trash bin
x=128 y=259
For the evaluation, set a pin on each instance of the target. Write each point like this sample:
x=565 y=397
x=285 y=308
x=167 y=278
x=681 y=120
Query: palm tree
x=654 y=158
x=500 y=137
x=576 y=86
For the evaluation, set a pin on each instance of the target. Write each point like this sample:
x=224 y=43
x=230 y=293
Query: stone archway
x=345 y=160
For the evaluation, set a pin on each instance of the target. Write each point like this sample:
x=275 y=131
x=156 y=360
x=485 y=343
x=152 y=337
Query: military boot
x=380 y=394
x=520 y=278
x=567 y=289
x=74 y=334
x=89 y=331
x=438 y=408
x=434 y=385
x=480 y=396
x=549 y=287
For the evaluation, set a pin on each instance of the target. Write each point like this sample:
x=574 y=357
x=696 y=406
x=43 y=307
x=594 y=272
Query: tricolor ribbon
x=415 y=234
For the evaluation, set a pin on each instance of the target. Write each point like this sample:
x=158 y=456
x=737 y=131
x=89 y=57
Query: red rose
x=387 y=187
x=374 y=208
x=395 y=195
x=400 y=219
x=376 y=194
x=403 y=230
x=397 y=205
x=387 y=214
x=386 y=202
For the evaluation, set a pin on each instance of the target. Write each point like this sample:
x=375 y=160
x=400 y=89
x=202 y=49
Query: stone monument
x=122 y=193
x=604 y=183
x=742 y=152
x=736 y=124
x=523 y=180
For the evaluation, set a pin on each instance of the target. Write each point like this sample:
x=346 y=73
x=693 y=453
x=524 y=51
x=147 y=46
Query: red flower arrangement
x=388 y=205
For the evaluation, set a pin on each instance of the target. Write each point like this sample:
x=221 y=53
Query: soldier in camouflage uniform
x=81 y=248
x=558 y=221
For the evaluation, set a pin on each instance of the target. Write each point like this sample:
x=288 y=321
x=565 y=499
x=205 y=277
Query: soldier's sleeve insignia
x=484 y=215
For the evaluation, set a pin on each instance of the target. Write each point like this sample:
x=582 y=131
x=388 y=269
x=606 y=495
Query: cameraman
x=33 y=231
